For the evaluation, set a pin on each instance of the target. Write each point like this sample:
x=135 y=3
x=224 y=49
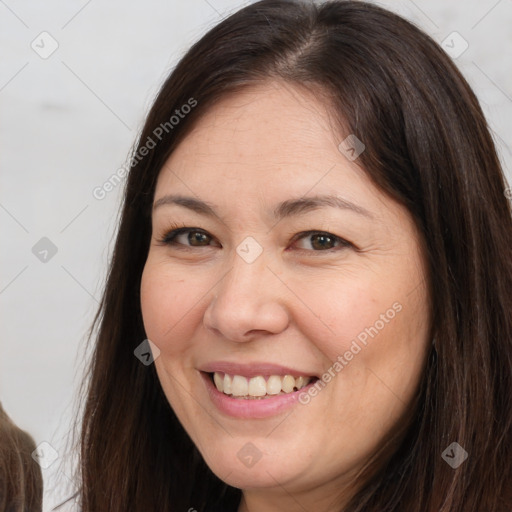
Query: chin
x=259 y=476
x=247 y=468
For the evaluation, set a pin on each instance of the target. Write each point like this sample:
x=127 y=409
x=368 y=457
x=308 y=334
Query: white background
x=66 y=125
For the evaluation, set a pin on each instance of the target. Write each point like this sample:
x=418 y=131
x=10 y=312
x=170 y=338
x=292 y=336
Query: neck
x=263 y=501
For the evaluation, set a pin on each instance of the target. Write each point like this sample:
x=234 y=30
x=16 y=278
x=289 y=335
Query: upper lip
x=252 y=369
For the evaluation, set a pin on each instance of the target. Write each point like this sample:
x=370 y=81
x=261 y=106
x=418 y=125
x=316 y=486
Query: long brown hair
x=21 y=481
x=427 y=146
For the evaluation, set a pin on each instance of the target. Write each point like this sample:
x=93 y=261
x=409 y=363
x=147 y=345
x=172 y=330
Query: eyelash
x=174 y=230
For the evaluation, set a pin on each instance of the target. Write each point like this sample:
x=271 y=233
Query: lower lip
x=251 y=408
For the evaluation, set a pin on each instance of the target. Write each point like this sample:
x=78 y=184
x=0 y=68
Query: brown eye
x=188 y=237
x=320 y=241
x=198 y=238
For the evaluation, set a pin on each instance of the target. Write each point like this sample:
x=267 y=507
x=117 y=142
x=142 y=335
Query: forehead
x=274 y=131
x=265 y=120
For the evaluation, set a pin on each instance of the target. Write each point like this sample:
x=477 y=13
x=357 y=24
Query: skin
x=298 y=304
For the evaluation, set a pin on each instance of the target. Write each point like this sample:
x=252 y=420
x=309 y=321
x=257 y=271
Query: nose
x=248 y=302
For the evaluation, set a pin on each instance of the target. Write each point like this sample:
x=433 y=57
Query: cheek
x=170 y=305
x=372 y=336
x=347 y=313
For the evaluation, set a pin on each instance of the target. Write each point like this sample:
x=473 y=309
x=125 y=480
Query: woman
x=316 y=240
x=21 y=481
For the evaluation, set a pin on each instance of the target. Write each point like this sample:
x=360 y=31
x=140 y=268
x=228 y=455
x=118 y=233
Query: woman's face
x=294 y=270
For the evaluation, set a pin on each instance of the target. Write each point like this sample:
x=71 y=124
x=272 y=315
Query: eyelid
x=175 y=230
x=343 y=243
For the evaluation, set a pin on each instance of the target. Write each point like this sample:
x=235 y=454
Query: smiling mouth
x=259 y=387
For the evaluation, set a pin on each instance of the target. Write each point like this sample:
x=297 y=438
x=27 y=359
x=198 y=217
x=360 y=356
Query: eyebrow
x=287 y=208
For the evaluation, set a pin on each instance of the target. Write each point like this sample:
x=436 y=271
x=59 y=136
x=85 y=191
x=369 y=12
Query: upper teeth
x=237 y=385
